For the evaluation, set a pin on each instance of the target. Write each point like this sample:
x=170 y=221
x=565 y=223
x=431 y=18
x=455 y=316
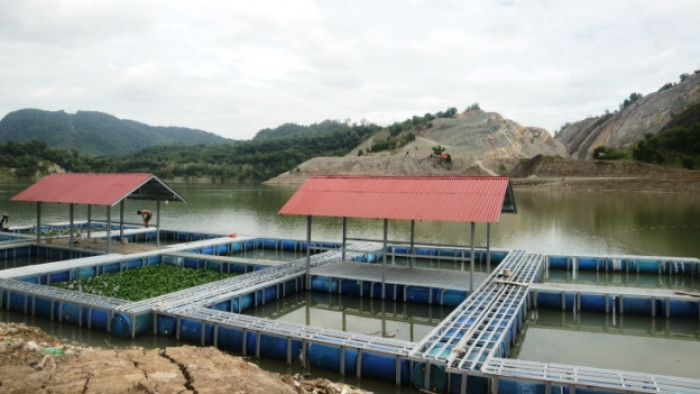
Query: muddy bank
x=31 y=361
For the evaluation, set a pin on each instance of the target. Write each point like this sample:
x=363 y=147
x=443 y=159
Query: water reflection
x=388 y=319
x=624 y=279
x=626 y=342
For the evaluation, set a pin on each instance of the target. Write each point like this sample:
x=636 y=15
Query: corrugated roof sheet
x=479 y=199
x=97 y=189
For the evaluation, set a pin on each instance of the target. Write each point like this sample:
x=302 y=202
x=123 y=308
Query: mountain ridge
x=96 y=133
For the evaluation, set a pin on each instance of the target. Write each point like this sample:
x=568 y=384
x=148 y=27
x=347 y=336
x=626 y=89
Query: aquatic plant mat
x=145 y=282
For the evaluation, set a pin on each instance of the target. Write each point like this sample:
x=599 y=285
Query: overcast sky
x=235 y=67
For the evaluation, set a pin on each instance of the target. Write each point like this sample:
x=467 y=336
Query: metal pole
x=158 y=222
x=109 y=229
x=121 y=220
x=70 y=227
x=488 y=248
x=308 y=252
x=38 y=222
x=345 y=233
x=471 y=262
x=89 y=215
x=413 y=254
x=386 y=227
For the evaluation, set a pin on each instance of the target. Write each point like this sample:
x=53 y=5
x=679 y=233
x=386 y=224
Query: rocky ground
x=31 y=361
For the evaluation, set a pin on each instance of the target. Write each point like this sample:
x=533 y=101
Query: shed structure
x=107 y=190
x=467 y=199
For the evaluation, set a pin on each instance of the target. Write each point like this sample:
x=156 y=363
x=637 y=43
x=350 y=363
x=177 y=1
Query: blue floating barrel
x=42 y=307
x=62 y=276
x=17 y=302
x=190 y=262
x=121 y=324
x=324 y=284
x=165 y=325
x=230 y=338
x=269 y=244
x=549 y=300
x=453 y=297
x=328 y=357
x=515 y=386
x=275 y=347
x=270 y=293
x=558 y=262
x=289 y=246
x=242 y=303
x=191 y=330
x=111 y=268
x=648 y=266
x=593 y=302
x=86 y=272
x=587 y=263
x=353 y=287
x=475 y=384
x=678 y=308
x=222 y=249
x=437 y=379
x=95 y=319
x=224 y=306
x=636 y=306
x=236 y=247
x=418 y=294
x=378 y=366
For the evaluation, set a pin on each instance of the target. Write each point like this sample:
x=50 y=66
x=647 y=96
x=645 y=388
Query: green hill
x=96 y=133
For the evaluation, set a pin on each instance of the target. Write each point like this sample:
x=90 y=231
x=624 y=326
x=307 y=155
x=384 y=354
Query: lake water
x=549 y=222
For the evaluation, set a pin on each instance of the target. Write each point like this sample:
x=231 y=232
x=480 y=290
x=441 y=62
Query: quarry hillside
x=478 y=143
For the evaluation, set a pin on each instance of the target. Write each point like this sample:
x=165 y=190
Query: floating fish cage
x=467 y=352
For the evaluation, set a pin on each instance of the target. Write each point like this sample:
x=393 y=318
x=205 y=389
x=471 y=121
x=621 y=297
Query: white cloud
x=236 y=67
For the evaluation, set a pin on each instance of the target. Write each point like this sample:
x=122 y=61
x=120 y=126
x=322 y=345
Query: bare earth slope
x=26 y=368
x=626 y=126
x=479 y=143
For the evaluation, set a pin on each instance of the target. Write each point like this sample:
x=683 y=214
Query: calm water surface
x=551 y=222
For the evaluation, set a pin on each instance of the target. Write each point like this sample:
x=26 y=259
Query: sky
x=235 y=67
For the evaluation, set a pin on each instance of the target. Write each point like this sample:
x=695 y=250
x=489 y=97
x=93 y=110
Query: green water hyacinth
x=143 y=283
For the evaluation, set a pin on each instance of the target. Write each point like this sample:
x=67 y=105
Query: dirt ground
x=32 y=361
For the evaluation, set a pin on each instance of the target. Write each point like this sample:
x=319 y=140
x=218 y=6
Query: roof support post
x=308 y=252
x=121 y=221
x=345 y=238
x=71 y=211
x=109 y=229
x=413 y=234
x=488 y=248
x=158 y=222
x=38 y=222
x=471 y=261
x=89 y=218
x=384 y=250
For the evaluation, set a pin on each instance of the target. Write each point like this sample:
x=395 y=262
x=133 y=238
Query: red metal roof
x=479 y=199
x=97 y=189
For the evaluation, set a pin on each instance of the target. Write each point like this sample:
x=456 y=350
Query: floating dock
x=467 y=352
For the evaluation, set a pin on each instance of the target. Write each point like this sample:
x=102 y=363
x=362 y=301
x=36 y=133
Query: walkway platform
x=575 y=377
x=623 y=300
x=402 y=275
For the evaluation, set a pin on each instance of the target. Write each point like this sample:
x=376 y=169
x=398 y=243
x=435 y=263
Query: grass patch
x=144 y=282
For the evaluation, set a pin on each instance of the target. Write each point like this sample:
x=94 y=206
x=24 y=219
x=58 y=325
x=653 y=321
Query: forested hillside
x=244 y=161
x=96 y=133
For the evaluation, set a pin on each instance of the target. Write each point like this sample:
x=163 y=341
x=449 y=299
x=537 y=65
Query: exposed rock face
x=477 y=141
x=487 y=135
x=647 y=115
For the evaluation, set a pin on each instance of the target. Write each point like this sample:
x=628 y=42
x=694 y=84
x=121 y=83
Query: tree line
x=244 y=161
